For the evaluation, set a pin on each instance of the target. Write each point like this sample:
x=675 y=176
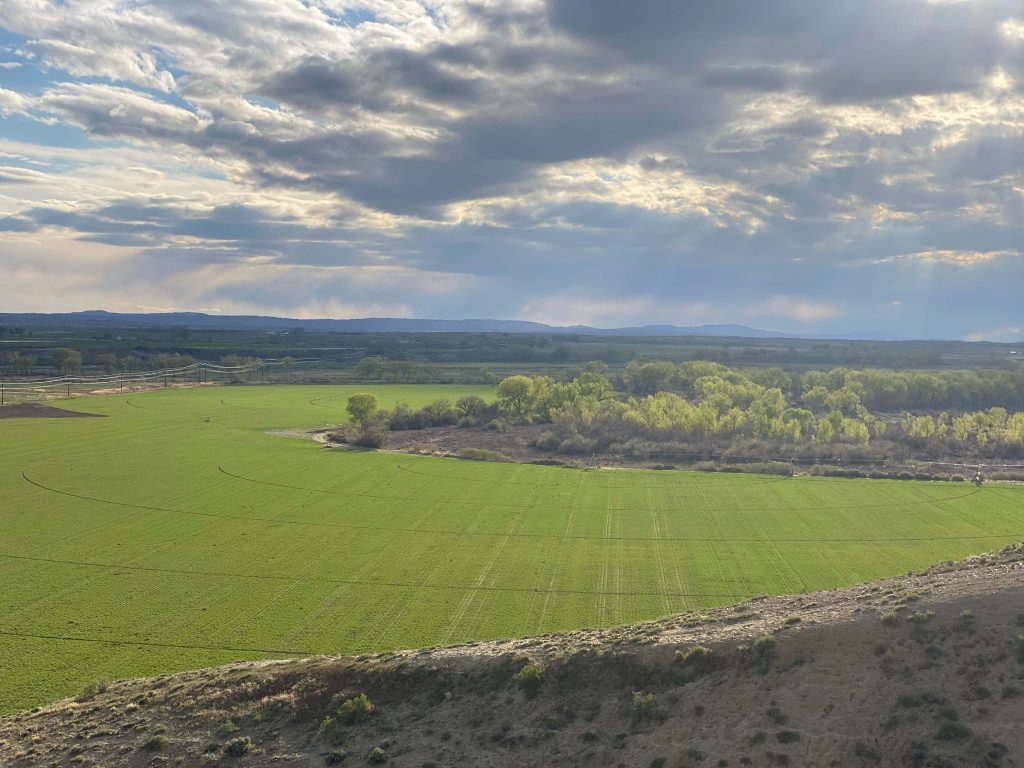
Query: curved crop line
x=129 y=403
x=543 y=486
x=360 y=582
x=151 y=644
x=463 y=479
x=496 y=534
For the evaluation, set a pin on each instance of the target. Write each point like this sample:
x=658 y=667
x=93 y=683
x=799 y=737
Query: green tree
x=514 y=394
x=470 y=406
x=107 y=362
x=66 y=360
x=361 y=406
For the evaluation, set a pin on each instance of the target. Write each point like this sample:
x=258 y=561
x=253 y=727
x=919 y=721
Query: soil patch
x=40 y=411
x=448 y=441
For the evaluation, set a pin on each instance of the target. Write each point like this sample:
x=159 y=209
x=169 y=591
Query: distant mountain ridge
x=101 y=319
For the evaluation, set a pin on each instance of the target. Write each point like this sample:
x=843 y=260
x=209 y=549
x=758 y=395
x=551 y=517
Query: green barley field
x=176 y=533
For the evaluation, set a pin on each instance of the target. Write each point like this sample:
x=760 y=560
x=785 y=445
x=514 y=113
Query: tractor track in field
x=623 y=486
x=534 y=536
x=152 y=644
x=542 y=486
x=365 y=583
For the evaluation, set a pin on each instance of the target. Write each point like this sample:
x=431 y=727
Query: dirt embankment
x=926 y=670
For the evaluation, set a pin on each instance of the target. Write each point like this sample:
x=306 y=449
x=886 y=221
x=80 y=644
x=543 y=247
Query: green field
x=176 y=533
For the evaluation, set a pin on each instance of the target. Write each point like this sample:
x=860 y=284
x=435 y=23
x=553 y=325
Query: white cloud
x=795 y=308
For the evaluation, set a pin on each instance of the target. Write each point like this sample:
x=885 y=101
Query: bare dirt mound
x=925 y=670
x=40 y=411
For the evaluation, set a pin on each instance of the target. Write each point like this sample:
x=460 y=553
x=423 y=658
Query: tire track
x=544 y=487
x=498 y=534
x=153 y=644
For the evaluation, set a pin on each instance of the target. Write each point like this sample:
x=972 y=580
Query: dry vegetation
x=925 y=670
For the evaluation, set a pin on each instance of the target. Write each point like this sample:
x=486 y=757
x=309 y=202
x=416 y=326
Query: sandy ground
x=924 y=670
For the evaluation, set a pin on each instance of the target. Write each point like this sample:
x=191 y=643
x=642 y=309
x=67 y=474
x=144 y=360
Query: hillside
x=99 y=319
x=924 y=670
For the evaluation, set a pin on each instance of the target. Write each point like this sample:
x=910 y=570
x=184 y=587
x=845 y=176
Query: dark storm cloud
x=653 y=151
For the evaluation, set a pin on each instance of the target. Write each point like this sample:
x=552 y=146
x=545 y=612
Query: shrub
x=1020 y=649
x=355 y=710
x=577 y=445
x=482 y=454
x=94 y=689
x=787 y=737
x=777 y=716
x=643 y=705
x=529 y=679
x=890 y=618
x=238 y=747
x=762 y=652
x=335 y=757
x=952 y=731
x=919 y=617
x=698 y=658
x=377 y=756
x=547 y=441
x=156 y=744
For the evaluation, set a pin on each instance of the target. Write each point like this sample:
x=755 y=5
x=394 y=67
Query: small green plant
x=95 y=689
x=787 y=737
x=791 y=620
x=377 y=756
x=529 y=679
x=355 y=710
x=1020 y=649
x=920 y=617
x=334 y=757
x=890 y=618
x=156 y=744
x=238 y=746
x=227 y=727
x=777 y=716
x=643 y=705
x=697 y=659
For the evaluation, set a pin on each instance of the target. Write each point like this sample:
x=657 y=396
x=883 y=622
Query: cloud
x=1008 y=334
x=609 y=163
x=795 y=308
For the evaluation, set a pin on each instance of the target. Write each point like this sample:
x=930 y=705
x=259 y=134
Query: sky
x=798 y=165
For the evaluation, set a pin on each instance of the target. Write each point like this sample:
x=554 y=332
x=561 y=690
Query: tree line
x=702 y=406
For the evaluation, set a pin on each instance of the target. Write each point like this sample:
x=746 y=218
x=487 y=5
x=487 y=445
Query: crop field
x=176 y=533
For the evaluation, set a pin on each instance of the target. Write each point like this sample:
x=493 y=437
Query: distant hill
x=100 y=319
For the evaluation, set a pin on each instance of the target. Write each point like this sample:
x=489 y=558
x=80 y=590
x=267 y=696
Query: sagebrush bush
x=529 y=679
x=697 y=659
x=761 y=653
x=890 y=618
x=643 y=705
x=355 y=710
x=238 y=747
x=156 y=744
